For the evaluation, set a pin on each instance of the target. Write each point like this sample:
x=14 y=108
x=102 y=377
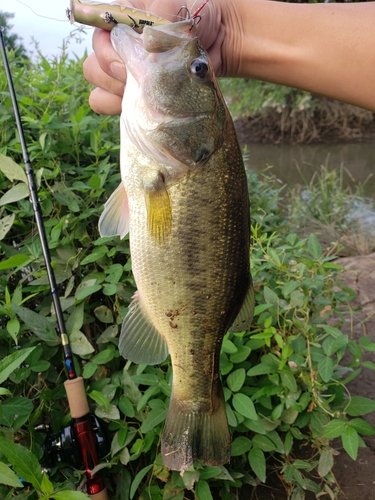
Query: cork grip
x=102 y=495
x=75 y=390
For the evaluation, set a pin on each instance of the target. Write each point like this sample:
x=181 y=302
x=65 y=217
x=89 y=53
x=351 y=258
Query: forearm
x=324 y=48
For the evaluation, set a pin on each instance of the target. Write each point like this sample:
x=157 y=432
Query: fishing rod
x=74 y=386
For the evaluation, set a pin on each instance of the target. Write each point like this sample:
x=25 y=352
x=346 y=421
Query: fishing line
x=41 y=15
x=74 y=386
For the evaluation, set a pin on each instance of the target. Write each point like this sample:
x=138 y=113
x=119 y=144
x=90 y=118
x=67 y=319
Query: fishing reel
x=64 y=447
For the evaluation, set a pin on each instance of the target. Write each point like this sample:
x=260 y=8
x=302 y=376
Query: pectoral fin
x=244 y=317
x=159 y=210
x=114 y=220
x=140 y=342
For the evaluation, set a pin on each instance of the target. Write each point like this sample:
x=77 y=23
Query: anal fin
x=159 y=210
x=114 y=220
x=140 y=341
x=244 y=317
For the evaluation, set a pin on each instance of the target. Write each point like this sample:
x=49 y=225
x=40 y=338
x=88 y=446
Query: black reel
x=63 y=448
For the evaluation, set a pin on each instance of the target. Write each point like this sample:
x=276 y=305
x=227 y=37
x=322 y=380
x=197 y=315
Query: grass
x=334 y=211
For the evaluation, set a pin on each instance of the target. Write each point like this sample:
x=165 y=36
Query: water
x=357 y=159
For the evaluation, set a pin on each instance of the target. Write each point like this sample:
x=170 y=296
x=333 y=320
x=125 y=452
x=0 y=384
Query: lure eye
x=199 y=68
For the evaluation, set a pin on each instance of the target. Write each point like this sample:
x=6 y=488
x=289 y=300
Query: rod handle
x=102 y=495
x=75 y=391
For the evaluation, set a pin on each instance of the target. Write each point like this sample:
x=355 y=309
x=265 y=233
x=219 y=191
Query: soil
x=331 y=122
x=356 y=479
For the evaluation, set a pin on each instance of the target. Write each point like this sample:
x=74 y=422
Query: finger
x=108 y=59
x=105 y=103
x=95 y=75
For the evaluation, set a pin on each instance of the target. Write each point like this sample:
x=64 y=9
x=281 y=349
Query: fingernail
x=118 y=71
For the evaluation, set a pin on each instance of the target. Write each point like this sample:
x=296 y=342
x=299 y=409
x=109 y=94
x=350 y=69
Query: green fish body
x=184 y=201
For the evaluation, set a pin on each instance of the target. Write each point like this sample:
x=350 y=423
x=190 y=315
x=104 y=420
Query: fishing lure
x=106 y=16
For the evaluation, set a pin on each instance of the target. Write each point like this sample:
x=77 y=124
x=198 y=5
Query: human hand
x=105 y=69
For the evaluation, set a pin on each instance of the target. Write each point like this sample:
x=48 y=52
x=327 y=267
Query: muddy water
x=357 y=159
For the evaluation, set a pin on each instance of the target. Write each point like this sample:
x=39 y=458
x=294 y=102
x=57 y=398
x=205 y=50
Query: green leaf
x=126 y=406
x=79 y=344
x=100 y=399
x=138 y=478
x=89 y=369
x=240 y=445
x=257 y=462
x=103 y=357
x=8 y=477
x=13 y=327
x=325 y=368
x=69 y=495
x=11 y=169
x=244 y=405
x=241 y=355
x=359 y=406
x=87 y=288
x=325 y=463
x=13 y=408
x=313 y=246
x=47 y=486
x=362 y=426
x=19 y=259
x=38 y=324
x=332 y=345
x=236 y=379
x=111 y=414
x=202 y=491
x=335 y=428
x=75 y=319
x=145 y=379
x=154 y=418
x=9 y=364
x=263 y=443
x=331 y=330
x=261 y=369
x=5 y=225
x=228 y=346
x=350 y=442
x=97 y=253
x=270 y=296
x=288 y=380
x=368 y=364
x=23 y=462
x=16 y=193
x=289 y=287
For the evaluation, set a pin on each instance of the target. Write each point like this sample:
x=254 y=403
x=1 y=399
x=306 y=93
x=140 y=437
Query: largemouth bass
x=184 y=200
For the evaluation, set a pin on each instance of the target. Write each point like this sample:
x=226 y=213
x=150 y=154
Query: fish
x=183 y=199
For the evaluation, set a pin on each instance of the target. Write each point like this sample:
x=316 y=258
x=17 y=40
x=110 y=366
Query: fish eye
x=199 y=68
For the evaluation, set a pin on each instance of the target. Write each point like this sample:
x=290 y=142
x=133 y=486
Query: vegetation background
x=285 y=379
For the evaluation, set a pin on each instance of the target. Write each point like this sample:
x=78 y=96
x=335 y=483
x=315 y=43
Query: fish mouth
x=153 y=39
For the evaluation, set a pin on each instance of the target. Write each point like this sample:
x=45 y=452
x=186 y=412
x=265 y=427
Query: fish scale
x=188 y=224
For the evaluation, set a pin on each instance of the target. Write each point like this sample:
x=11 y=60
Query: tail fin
x=195 y=435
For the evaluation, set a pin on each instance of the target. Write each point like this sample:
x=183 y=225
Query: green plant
x=284 y=382
x=337 y=212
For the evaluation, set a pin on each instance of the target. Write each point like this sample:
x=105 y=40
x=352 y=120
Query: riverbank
x=326 y=121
